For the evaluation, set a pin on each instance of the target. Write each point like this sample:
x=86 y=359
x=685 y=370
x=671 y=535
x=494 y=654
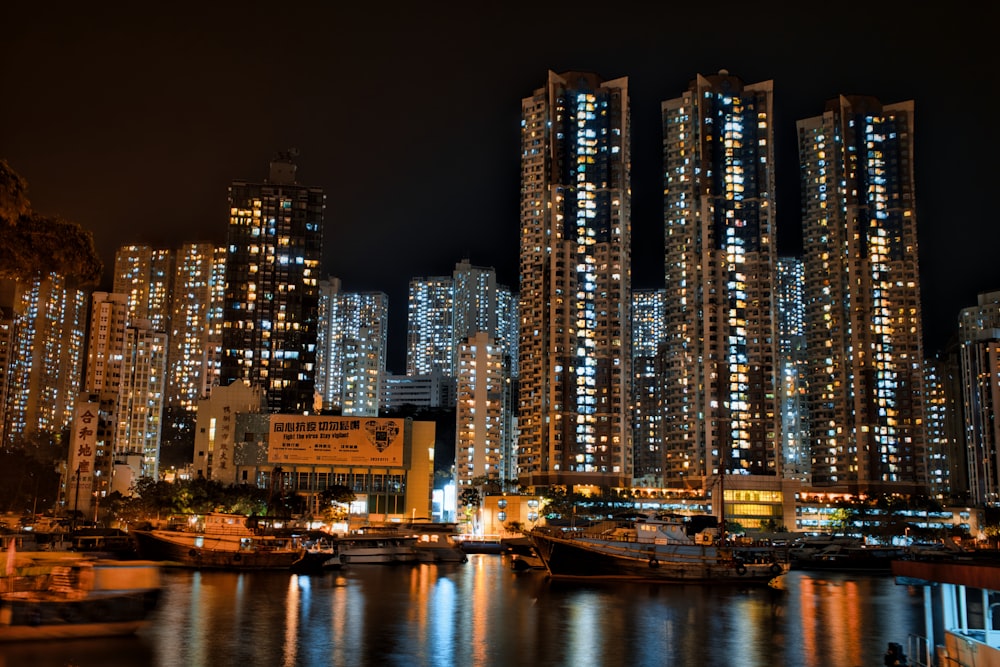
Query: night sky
x=133 y=123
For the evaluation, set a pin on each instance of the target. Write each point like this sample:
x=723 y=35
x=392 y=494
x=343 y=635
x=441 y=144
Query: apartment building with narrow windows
x=864 y=338
x=720 y=361
x=574 y=418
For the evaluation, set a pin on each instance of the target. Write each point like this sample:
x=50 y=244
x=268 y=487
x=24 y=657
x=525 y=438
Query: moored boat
x=522 y=553
x=223 y=543
x=656 y=549
x=845 y=556
x=320 y=555
x=360 y=549
x=964 y=586
x=79 y=598
x=433 y=542
x=480 y=544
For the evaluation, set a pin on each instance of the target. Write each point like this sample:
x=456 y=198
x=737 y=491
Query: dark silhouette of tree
x=31 y=243
x=470 y=497
x=30 y=476
x=13 y=193
x=335 y=502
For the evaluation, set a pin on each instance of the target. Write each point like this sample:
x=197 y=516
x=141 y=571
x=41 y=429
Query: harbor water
x=482 y=614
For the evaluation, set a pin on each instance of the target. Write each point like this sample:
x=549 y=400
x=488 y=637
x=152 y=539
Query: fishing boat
x=522 y=553
x=664 y=548
x=321 y=554
x=77 y=598
x=222 y=542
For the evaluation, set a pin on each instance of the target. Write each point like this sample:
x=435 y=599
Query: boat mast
x=722 y=505
x=722 y=493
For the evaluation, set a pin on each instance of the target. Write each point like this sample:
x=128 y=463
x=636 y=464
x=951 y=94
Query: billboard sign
x=348 y=441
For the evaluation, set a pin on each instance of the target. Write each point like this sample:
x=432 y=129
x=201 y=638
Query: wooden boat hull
x=608 y=560
x=520 y=563
x=213 y=554
x=77 y=598
x=523 y=555
x=29 y=616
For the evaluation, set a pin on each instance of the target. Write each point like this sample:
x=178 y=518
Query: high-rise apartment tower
x=275 y=244
x=865 y=379
x=720 y=407
x=575 y=338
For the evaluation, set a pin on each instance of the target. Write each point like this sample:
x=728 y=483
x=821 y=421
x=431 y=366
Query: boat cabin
x=967 y=591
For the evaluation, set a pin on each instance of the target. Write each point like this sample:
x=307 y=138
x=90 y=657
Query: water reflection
x=481 y=614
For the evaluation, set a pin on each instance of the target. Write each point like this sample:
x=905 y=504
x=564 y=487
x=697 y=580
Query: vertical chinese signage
x=82 y=453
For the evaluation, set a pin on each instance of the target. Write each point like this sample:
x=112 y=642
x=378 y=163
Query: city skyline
x=136 y=131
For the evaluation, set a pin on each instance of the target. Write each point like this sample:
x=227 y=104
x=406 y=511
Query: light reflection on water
x=480 y=614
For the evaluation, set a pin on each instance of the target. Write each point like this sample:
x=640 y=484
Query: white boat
x=434 y=542
x=355 y=549
x=77 y=598
x=653 y=548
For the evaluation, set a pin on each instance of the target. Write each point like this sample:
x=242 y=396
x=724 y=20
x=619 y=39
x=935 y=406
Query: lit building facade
x=481 y=411
x=105 y=369
x=352 y=340
x=430 y=330
x=178 y=292
x=387 y=462
x=6 y=347
x=274 y=241
x=483 y=305
x=215 y=439
x=575 y=271
x=647 y=338
x=485 y=325
x=145 y=275
x=790 y=311
x=979 y=336
x=216 y=315
x=947 y=468
x=434 y=390
x=125 y=378
x=191 y=351
x=133 y=266
x=140 y=405
x=720 y=403
x=161 y=293
x=46 y=358
x=864 y=336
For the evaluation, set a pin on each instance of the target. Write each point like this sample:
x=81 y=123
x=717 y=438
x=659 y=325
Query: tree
x=487 y=484
x=13 y=193
x=29 y=241
x=335 y=502
x=772 y=525
x=29 y=478
x=470 y=497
